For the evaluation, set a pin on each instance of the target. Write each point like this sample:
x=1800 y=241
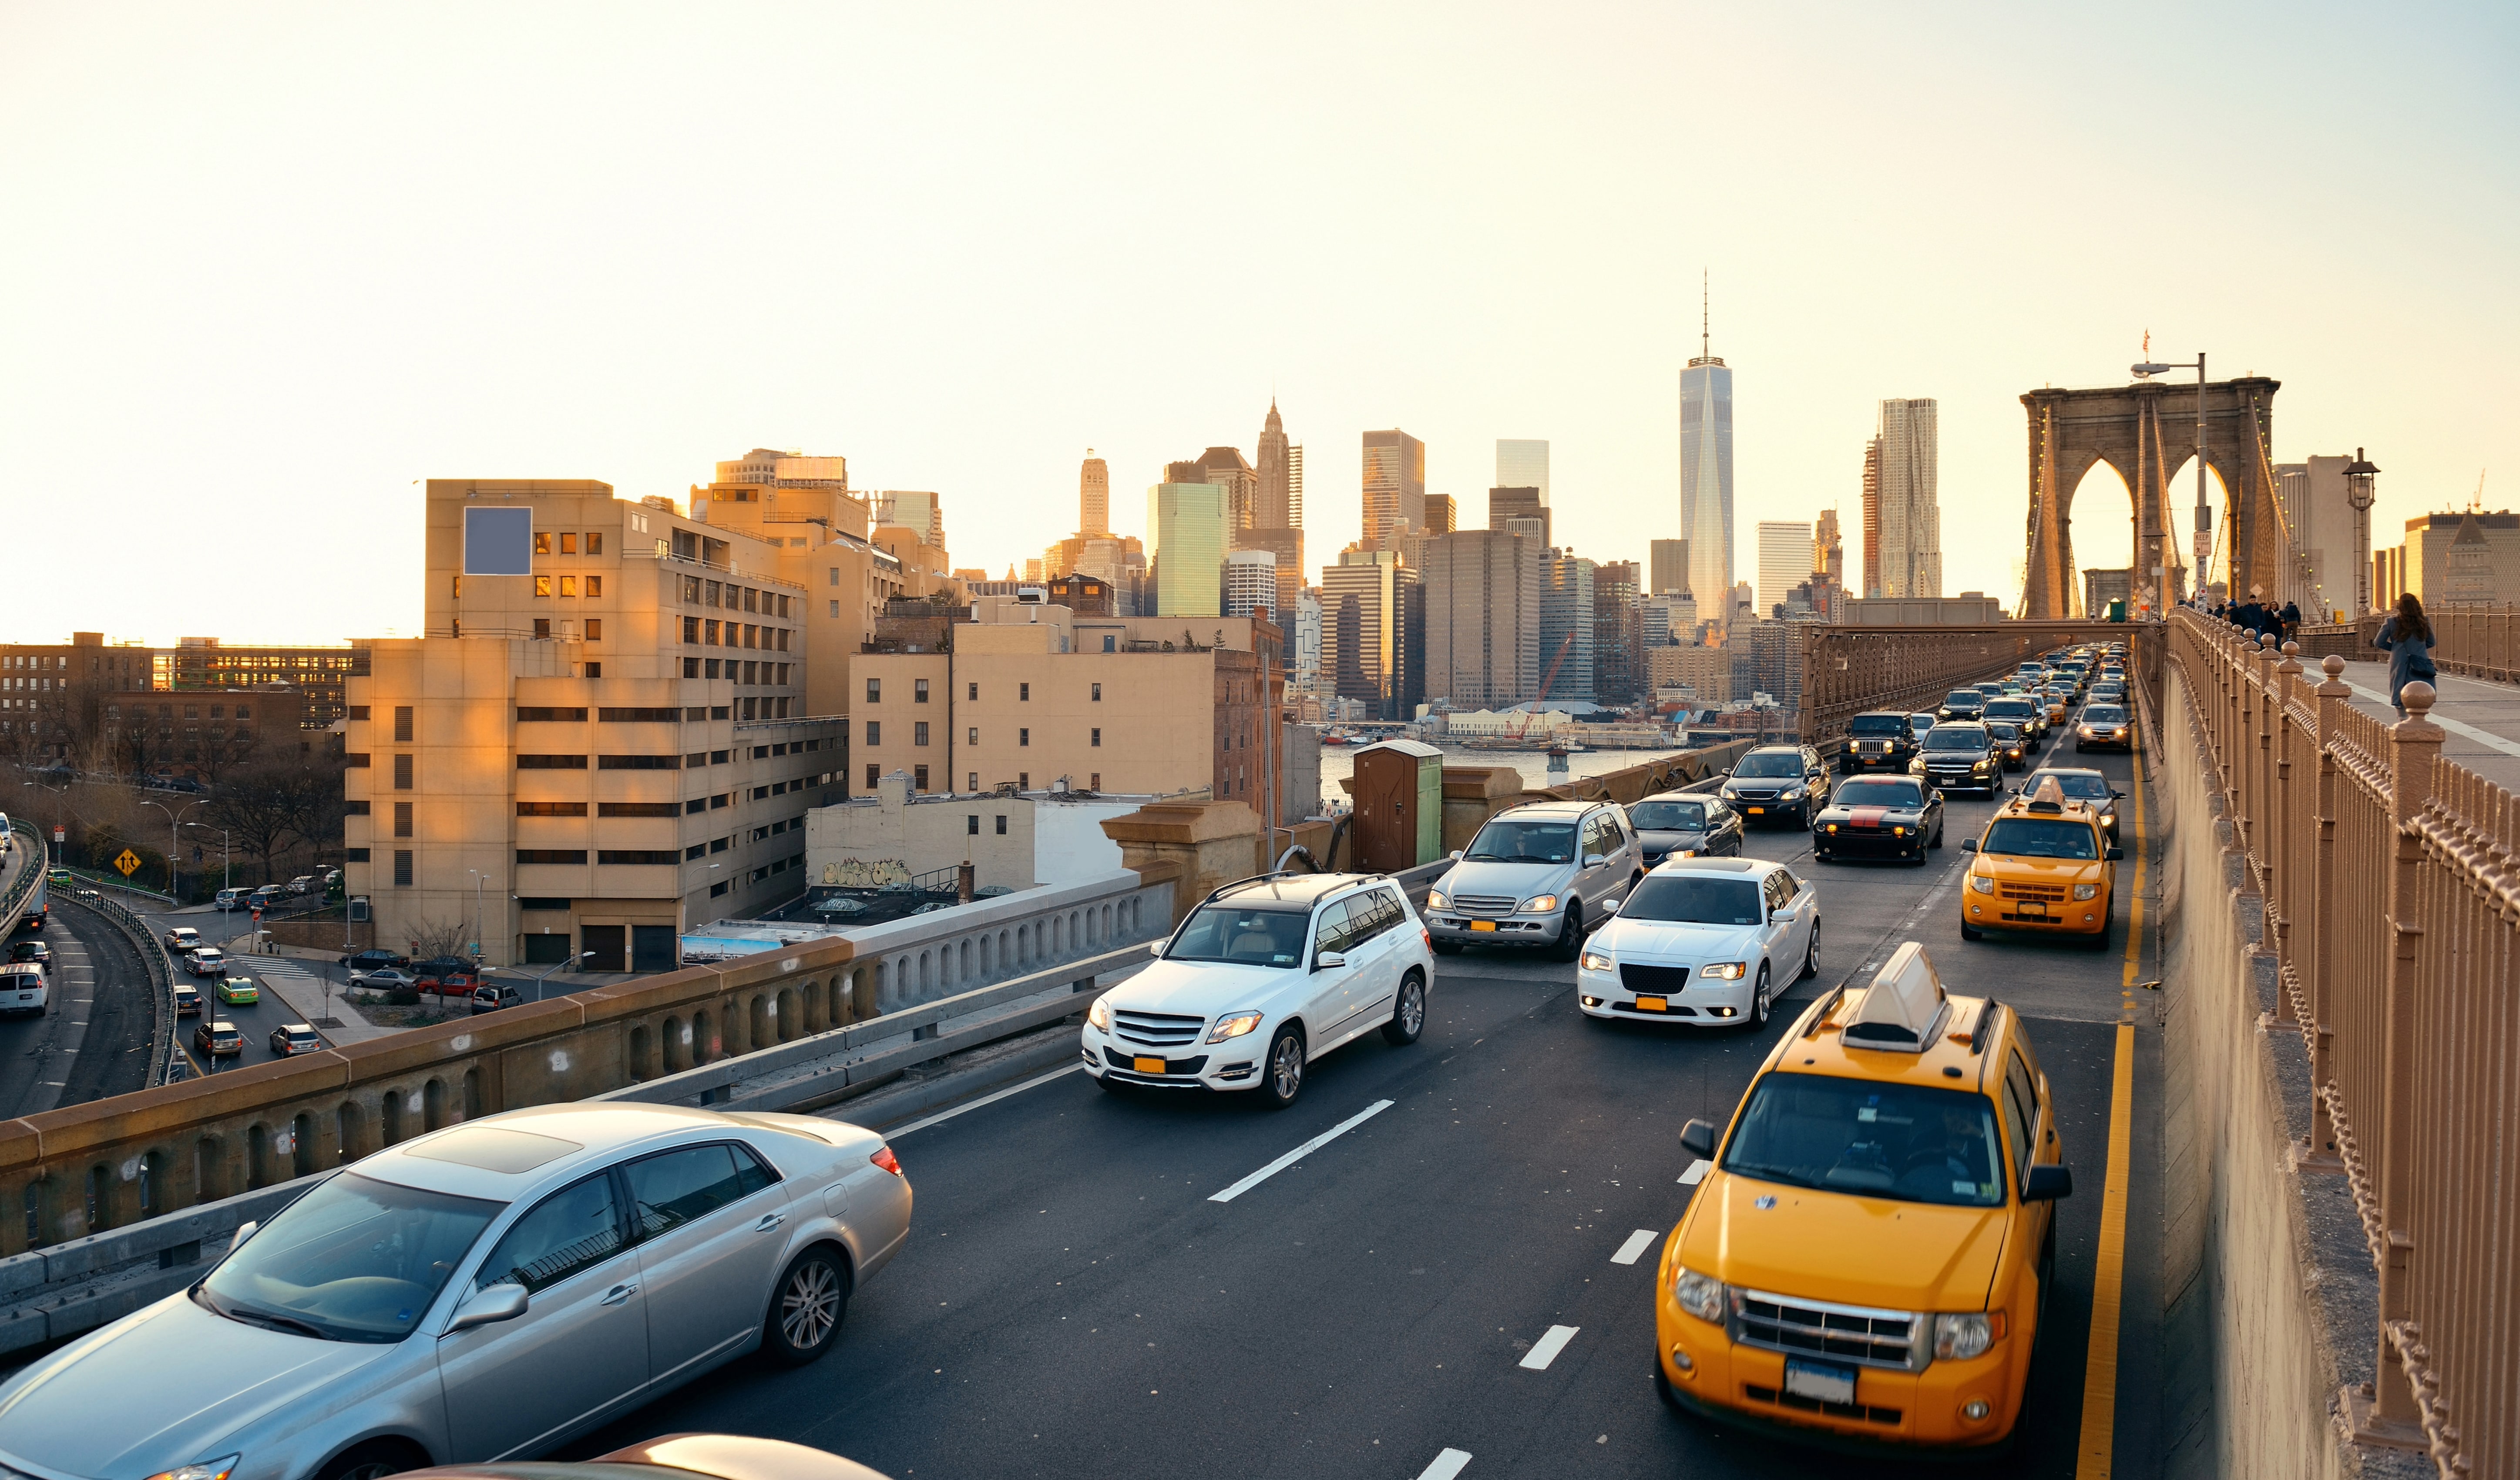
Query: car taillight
x=885 y=1159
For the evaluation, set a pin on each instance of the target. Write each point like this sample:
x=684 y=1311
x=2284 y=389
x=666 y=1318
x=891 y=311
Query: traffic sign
x=59 y=838
x=128 y=863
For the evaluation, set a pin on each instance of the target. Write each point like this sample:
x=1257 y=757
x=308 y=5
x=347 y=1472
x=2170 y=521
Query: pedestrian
x=2291 y=620
x=2409 y=639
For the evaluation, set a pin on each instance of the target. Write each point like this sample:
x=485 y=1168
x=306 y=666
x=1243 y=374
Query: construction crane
x=1524 y=729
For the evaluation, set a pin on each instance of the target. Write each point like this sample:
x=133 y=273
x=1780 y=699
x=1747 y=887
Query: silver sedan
x=480 y=1292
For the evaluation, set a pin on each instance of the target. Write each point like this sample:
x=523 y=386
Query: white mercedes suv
x=1712 y=942
x=1265 y=976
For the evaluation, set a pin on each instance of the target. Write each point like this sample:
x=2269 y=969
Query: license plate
x=1820 y=1382
x=1482 y=924
x=2031 y=907
x=1756 y=811
x=1652 y=1005
x=1145 y=1065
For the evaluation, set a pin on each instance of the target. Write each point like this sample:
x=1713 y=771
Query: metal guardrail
x=2394 y=903
x=152 y=956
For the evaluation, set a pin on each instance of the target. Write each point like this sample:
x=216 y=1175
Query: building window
x=1098 y=736
x=1024 y=780
x=402 y=819
x=354 y=809
x=638 y=763
x=709 y=630
x=718 y=757
x=529 y=763
x=1096 y=783
x=569 y=544
x=974 y=736
x=402 y=868
x=873 y=776
x=918 y=733
x=402 y=724
x=875 y=690
x=594 y=542
x=638 y=856
x=1024 y=736
x=402 y=773
x=974 y=782
x=691 y=667
x=526 y=714
x=875 y=734
x=710 y=670
x=972 y=826
x=695 y=850
x=595 y=629
x=974 y=692
x=542 y=585
x=634 y=809
x=594 y=670
x=544 y=809
x=919 y=691
x=594 y=583
x=542 y=543
x=567 y=583
x=1002 y=825
x=919 y=777
x=716 y=889
x=1023 y=694
x=1098 y=694
x=835 y=609
x=542 y=626
x=551 y=855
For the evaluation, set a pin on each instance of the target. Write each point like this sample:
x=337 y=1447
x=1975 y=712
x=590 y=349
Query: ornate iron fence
x=2392 y=885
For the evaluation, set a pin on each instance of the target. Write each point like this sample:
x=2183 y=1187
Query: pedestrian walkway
x=301 y=987
x=2482 y=717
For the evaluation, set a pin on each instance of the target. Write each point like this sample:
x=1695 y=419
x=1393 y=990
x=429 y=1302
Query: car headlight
x=1897 y=831
x=2085 y=732
x=201 y=1469
x=1596 y=960
x=1539 y=904
x=1726 y=970
x=1694 y=1293
x=1729 y=795
x=1982 y=884
x=1435 y=900
x=1965 y=1335
x=1832 y=827
x=1794 y=794
x=1978 y=765
x=1099 y=1015
x=1234 y=1025
x=2086 y=891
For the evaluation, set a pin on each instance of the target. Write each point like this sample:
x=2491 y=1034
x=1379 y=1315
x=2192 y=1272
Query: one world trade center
x=1707 y=483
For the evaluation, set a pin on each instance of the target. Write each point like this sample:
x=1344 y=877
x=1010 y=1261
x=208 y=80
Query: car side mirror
x=1155 y=948
x=244 y=1231
x=2120 y=795
x=1698 y=1139
x=500 y=1302
x=2047 y=1182
x=2116 y=853
x=1595 y=860
x=1329 y=961
x=1968 y=846
x=1610 y=907
x=1457 y=855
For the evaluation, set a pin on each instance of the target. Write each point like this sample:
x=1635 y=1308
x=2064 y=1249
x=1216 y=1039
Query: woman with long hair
x=2407 y=638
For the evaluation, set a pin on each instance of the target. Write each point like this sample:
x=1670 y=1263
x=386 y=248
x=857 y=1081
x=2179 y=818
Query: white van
x=23 y=989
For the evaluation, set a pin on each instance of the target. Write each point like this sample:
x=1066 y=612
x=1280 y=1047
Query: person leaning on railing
x=2407 y=638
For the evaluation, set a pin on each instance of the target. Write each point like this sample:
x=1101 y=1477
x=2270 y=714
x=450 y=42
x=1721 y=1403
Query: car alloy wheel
x=1284 y=1078
x=1408 y=1014
x=1811 y=955
x=812 y=1297
x=1759 y=999
x=1570 y=931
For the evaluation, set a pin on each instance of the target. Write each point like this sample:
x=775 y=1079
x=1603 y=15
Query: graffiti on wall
x=866 y=873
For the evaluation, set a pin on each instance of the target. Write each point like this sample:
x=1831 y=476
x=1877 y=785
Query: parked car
x=228 y=899
x=304 y=884
x=1710 y=942
x=1536 y=875
x=183 y=938
x=489 y=997
x=1672 y=823
x=386 y=979
x=1265 y=976
x=265 y=897
x=205 y=961
x=446 y=975
x=218 y=1039
x=187 y=999
x=295 y=1038
x=1777 y=784
x=360 y=961
x=495 y=1288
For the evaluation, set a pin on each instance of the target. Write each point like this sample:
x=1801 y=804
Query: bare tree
x=262 y=806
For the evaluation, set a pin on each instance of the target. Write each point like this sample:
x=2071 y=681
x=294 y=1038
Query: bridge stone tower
x=2145 y=430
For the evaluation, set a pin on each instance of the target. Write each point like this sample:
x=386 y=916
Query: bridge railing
x=2392 y=884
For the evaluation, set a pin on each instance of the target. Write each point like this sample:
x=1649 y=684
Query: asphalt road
x=94 y=1039
x=227 y=929
x=1073 y=1304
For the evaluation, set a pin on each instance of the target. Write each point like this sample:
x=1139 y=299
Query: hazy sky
x=263 y=267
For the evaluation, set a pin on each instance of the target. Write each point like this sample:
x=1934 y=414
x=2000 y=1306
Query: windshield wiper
x=1481 y=858
x=271 y=1319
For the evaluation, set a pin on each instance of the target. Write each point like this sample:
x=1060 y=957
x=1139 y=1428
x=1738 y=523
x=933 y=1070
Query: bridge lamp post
x=2359 y=476
x=2204 y=508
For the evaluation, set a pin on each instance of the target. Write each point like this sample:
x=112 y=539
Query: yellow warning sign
x=128 y=863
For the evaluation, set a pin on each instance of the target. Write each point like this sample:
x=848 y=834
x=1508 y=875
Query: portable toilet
x=1399 y=792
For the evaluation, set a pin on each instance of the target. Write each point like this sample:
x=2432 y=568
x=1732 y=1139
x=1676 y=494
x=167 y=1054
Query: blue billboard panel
x=499 y=541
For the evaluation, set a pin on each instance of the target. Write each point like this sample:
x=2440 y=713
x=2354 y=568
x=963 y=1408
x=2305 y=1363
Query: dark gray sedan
x=1679 y=823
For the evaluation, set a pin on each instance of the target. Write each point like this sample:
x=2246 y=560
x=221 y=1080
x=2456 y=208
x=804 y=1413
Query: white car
x=183 y=938
x=1265 y=976
x=1711 y=942
x=205 y=961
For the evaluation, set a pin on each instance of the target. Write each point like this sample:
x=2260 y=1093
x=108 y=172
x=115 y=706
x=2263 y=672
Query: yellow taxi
x=1867 y=1261
x=2044 y=866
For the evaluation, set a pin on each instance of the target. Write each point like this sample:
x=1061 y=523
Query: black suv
x=1960 y=757
x=1881 y=741
x=1775 y=784
x=1961 y=705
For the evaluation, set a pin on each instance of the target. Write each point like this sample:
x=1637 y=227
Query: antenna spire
x=1704 y=320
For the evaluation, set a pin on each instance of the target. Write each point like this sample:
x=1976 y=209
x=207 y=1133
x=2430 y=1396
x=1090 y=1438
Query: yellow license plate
x=1652 y=1005
x=1756 y=811
x=1145 y=1065
x=1482 y=924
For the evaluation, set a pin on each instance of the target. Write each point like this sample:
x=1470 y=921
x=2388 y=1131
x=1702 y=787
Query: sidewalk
x=303 y=991
x=2483 y=717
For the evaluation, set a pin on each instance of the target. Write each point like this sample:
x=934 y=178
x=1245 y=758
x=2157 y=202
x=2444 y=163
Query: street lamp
x=174 y=824
x=548 y=970
x=2204 y=510
x=2359 y=492
x=477 y=919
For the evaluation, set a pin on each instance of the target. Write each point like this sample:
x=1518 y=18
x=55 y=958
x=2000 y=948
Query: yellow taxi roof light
x=1900 y=1009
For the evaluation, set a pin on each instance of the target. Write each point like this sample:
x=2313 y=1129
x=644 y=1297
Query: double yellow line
x=2095 y=1452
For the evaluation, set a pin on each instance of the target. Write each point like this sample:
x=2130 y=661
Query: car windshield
x=1697 y=898
x=1920 y=723
x=2011 y=707
x=1906 y=1142
x=1882 y=792
x=1955 y=737
x=2096 y=787
x=2040 y=837
x=1964 y=697
x=1243 y=935
x=2102 y=714
x=2004 y=732
x=1523 y=842
x=1770 y=763
x=354 y=1260
x=1669 y=817
x=1876 y=725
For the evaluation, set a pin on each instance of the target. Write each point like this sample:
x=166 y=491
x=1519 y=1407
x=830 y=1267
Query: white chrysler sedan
x=481 y=1292
x=1265 y=976
x=1711 y=942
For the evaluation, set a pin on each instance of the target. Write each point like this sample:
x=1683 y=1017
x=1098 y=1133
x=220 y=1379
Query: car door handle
x=619 y=1293
x=767 y=1221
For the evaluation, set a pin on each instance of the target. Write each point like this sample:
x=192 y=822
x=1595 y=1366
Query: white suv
x=1266 y=975
x=1712 y=942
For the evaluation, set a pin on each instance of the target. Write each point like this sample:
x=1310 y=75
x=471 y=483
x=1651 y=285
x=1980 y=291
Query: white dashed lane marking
x=1697 y=1173
x=1446 y=1465
x=1638 y=1243
x=1301 y=1151
x=1545 y=1351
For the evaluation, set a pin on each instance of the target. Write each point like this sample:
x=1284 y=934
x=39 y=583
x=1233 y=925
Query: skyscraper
x=1706 y=470
x=1618 y=633
x=1187 y=521
x=1829 y=547
x=1395 y=487
x=1093 y=496
x=1784 y=562
x=1482 y=618
x=1360 y=626
x=1670 y=565
x=1911 y=518
x=1251 y=585
x=1507 y=505
x=1295 y=485
x=1282 y=496
x=1566 y=625
x=1225 y=467
x=1523 y=463
x=1872 y=517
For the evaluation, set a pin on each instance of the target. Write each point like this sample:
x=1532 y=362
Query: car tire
x=1570 y=931
x=1281 y=1073
x=1811 y=955
x=806 y=1308
x=373 y=1460
x=1407 y=1012
x=2100 y=943
x=1938 y=836
x=1112 y=1086
x=1971 y=932
x=1758 y=1018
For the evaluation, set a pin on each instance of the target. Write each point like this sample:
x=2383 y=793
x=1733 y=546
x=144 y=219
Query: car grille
x=1485 y=903
x=1815 y=1328
x=2029 y=891
x=1861 y=1412
x=1657 y=981
x=1159 y=1029
x=1756 y=797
